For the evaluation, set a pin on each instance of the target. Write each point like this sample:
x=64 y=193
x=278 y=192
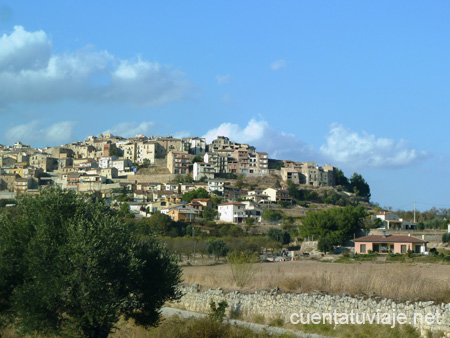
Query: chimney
x=409 y=234
x=423 y=237
x=384 y=234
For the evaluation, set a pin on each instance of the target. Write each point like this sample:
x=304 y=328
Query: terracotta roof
x=390 y=239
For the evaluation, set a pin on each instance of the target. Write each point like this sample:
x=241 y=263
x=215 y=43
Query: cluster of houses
x=107 y=164
x=100 y=163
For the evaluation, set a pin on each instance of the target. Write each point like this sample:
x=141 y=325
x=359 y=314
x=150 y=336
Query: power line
x=432 y=204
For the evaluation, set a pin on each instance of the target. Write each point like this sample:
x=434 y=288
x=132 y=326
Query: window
x=403 y=248
x=362 y=248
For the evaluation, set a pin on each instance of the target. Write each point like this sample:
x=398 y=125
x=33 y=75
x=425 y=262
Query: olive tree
x=69 y=267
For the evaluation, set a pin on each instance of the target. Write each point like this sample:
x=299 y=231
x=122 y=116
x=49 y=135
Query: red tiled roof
x=390 y=239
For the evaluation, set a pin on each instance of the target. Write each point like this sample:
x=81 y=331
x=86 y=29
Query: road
x=167 y=311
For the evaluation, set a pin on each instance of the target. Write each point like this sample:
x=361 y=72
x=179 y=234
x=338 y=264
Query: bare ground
x=399 y=281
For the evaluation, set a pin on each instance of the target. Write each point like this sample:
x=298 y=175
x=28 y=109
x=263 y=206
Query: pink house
x=389 y=243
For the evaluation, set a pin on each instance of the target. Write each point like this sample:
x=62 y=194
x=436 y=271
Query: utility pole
x=193 y=236
x=414 y=211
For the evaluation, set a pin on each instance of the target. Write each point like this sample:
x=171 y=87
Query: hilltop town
x=156 y=171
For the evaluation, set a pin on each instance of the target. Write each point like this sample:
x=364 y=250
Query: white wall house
x=232 y=212
x=216 y=185
x=105 y=161
x=122 y=165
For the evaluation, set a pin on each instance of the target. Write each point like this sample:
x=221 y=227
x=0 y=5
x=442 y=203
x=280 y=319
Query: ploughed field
x=399 y=281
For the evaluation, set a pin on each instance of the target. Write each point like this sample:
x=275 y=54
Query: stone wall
x=275 y=304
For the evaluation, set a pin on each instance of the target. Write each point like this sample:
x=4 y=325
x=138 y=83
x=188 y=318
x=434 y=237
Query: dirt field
x=398 y=281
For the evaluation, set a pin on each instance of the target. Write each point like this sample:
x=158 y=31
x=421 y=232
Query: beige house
x=168 y=144
x=178 y=163
x=262 y=159
x=8 y=181
x=275 y=195
x=181 y=213
x=129 y=150
x=218 y=160
x=290 y=174
x=44 y=161
x=146 y=150
x=317 y=176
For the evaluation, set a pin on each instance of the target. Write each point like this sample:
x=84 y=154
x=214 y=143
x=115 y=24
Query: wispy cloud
x=362 y=150
x=131 y=129
x=277 y=65
x=31 y=72
x=221 y=79
x=35 y=132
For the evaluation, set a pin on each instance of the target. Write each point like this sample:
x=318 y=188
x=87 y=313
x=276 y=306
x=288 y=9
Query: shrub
x=242 y=267
x=217 y=312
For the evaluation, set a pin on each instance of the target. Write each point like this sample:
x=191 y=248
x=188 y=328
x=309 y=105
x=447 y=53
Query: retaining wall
x=274 y=304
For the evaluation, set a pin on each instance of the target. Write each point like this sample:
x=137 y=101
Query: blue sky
x=363 y=86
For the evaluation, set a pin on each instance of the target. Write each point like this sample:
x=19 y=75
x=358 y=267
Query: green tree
x=197 y=158
x=339 y=223
x=325 y=244
x=360 y=187
x=272 y=215
x=217 y=247
x=69 y=267
x=146 y=163
x=250 y=221
x=199 y=193
x=240 y=181
x=340 y=178
x=278 y=235
x=209 y=214
x=124 y=210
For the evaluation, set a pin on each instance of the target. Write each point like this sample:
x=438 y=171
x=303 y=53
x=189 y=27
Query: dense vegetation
x=69 y=267
x=333 y=226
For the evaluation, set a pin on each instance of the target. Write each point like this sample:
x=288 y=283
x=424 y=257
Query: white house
x=122 y=165
x=105 y=161
x=216 y=185
x=232 y=212
x=392 y=221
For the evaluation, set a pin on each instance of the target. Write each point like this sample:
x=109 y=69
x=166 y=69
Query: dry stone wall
x=274 y=304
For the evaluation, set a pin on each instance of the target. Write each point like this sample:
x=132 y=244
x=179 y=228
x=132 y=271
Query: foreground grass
x=361 y=331
x=426 y=282
x=176 y=327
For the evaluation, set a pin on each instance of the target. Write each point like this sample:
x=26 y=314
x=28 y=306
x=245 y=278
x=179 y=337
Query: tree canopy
x=337 y=224
x=198 y=193
x=68 y=266
x=356 y=184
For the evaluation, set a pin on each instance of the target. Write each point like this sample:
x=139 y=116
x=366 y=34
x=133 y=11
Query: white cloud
x=30 y=72
x=131 y=129
x=261 y=135
x=35 y=132
x=221 y=79
x=181 y=134
x=366 y=151
x=277 y=65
